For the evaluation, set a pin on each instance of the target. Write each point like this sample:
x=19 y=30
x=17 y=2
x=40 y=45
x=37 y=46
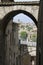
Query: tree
x=23 y=35
x=34 y=37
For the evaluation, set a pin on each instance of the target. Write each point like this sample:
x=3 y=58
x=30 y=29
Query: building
x=40 y=37
x=25 y=57
x=28 y=53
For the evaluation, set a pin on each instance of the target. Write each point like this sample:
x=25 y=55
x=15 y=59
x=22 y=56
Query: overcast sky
x=23 y=18
x=24 y=0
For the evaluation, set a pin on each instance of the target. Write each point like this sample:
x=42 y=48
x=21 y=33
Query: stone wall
x=31 y=9
x=11 y=43
x=3 y=11
x=25 y=56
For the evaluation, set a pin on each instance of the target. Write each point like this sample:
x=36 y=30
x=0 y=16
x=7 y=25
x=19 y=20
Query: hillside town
x=30 y=29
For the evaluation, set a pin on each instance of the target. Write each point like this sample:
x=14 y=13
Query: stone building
x=28 y=53
x=25 y=57
x=30 y=8
x=11 y=42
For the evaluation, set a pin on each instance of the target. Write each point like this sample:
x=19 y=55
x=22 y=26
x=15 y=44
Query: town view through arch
x=27 y=35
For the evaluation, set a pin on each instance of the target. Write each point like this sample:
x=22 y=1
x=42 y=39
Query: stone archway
x=14 y=13
x=5 y=21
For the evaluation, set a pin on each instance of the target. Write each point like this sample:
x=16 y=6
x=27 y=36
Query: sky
x=22 y=18
x=24 y=0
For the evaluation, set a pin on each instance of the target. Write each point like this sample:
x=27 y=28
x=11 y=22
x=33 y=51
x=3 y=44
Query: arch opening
x=9 y=17
x=28 y=40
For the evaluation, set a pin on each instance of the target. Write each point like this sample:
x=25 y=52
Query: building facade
x=25 y=57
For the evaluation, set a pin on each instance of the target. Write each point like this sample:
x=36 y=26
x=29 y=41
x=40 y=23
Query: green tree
x=34 y=37
x=23 y=35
